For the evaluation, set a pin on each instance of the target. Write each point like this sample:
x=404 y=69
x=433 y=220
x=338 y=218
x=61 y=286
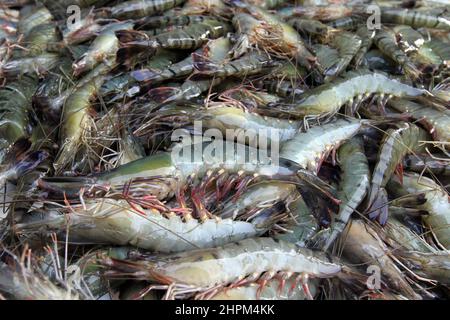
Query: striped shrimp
x=436 y=121
x=32 y=16
x=346 y=23
x=437 y=205
x=205 y=273
x=282 y=88
x=346 y=43
x=122 y=222
x=352 y=90
x=309 y=149
x=151 y=22
x=394 y=146
x=353 y=186
x=187 y=38
x=141 y=8
x=366 y=37
x=414 y=18
x=385 y=41
x=215 y=50
x=249 y=64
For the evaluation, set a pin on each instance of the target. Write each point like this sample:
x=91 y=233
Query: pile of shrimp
x=334 y=183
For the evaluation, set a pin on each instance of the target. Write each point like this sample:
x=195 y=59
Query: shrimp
x=385 y=41
x=437 y=205
x=305 y=227
x=267 y=32
x=31 y=17
x=233 y=122
x=142 y=8
x=346 y=43
x=82 y=30
x=249 y=64
x=102 y=49
x=202 y=273
x=133 y=224
x=436 y=121
x=190 y=89
x=187 y=38
x=435 y=163
x=346 y=23
x=195 y=167
x=400 y=237
x=414 y=18
x=37 y=65
x=152 y=22
x=366 y=37
x=282 y=88
x=353 y=186
x=395 y=145
x=26 y=282
x=433 y=265
x=324 y=13
x=215 y=50
x=353 y=89
x=309 y=149
x=76 y=120
x=214 y=7
x=362 y=245
x=15 y=103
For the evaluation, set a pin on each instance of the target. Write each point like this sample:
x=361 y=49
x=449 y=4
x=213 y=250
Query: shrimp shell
x=437 y=204
x=147 y=229
x=203 y=270
x=309 y=149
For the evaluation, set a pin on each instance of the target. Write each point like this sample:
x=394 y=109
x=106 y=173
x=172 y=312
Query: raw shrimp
x=309 y=149
x=204 y=273
x=353 y=186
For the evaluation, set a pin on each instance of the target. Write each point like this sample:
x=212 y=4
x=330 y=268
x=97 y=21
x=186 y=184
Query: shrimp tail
x=411 y=71
x=203 y=64
x=164 y=94
x=378 y=208
x=132 y=269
